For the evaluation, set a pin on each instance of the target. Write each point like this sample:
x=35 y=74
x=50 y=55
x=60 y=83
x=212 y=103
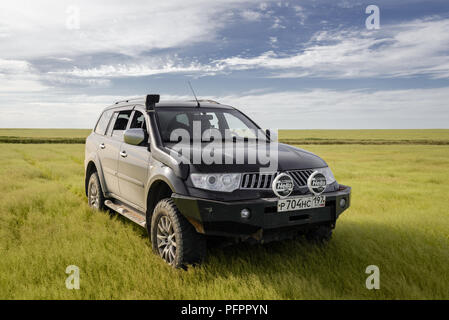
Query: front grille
x=300 y=176
x=257 y=180
x=263 y=181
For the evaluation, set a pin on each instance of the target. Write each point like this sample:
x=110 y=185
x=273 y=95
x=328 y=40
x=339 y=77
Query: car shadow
x=410 y=260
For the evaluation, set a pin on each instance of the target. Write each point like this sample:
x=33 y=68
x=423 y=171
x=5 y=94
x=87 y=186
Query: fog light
x=342 y=202
x=245 y=213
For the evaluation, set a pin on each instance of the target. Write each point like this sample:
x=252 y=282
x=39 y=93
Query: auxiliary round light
x=245 y=213
x=342 y=202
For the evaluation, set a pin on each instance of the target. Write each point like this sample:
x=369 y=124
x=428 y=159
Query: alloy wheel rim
x=166 y=241
x=94 y=196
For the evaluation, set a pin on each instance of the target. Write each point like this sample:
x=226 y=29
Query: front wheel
x=174 y=238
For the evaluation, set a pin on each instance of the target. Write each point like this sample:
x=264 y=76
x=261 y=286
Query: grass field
x=376 y=137
x=398 y=221
x=65 y=136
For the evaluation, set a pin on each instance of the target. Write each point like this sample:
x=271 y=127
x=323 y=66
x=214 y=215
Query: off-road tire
x=320 y=235
x=190 y=245
x=95 y=195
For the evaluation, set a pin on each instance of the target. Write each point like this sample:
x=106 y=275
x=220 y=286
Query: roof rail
x=206 y=101
x=128 y=100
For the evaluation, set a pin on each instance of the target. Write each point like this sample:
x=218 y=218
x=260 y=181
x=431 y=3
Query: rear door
x=133 y=164
x=109 y=149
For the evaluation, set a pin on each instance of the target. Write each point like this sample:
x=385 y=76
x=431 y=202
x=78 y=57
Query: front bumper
x=221 y=218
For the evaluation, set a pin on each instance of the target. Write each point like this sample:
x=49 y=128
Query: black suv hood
x=289 y=158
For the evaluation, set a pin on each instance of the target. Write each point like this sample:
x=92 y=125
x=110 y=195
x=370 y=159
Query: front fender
x=163 y=173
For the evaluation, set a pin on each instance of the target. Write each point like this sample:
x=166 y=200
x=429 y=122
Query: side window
x=182 y=118
x=121 y=123
x=138 y=121
x=111 y=124
x=103 y=122
x=213 y=121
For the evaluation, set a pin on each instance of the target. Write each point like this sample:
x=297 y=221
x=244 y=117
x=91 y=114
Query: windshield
x=206 y=124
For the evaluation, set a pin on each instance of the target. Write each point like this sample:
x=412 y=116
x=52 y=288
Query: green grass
x=376 y=137
x=398 y=221
x=305 y=137
x=75 y=136
x=368 y=134
x=46 y=133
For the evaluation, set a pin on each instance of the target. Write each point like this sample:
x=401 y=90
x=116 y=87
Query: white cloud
x=300 y=13
x=51 y=110
x=409 y=49
x=140 y=69
x=263 y=6
x=18 y=76
x=414 y=48
x=273 y=41
x=251 y=15
x=13 y=66
x=32 y=29
x=277 y=24
x=308 y=109
x=326 y=109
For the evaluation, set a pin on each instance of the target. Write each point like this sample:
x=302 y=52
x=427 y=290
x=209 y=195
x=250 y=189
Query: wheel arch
x=159 y=189
x=93 y=166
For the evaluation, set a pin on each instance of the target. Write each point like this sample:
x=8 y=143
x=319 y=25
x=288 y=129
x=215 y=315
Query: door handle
x=102 y=146
x=123 y=154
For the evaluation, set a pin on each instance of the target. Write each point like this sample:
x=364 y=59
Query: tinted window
x=138 y=121
x=223 y=120
x=122 y=120
x=121 y=123
x=103 y=122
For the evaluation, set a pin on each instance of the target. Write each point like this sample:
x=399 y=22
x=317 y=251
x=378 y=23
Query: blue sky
x=288 y=64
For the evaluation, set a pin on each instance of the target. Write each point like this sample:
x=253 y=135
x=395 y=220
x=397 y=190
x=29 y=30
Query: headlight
x=226 y=182
x=327 y=172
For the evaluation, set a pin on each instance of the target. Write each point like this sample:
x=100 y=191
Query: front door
x=110 y=149
x=133 y=165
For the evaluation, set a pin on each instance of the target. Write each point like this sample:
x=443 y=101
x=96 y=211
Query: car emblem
x=282 y=185
x=316 y=183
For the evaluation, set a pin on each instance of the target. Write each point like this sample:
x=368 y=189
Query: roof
x=172 y=104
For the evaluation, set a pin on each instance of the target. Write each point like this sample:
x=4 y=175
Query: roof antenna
x=193 y=91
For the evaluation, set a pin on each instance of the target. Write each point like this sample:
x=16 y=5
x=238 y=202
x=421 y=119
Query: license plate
x=301 y=203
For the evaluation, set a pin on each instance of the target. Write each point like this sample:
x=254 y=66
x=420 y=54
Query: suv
x=137 y=165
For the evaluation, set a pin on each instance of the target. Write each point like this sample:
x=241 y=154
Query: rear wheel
x=95 y=193
x=174 y=238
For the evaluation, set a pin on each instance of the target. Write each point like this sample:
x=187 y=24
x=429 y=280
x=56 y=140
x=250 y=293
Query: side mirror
x=134 y=136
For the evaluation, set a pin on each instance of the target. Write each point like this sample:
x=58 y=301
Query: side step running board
x=127 y=212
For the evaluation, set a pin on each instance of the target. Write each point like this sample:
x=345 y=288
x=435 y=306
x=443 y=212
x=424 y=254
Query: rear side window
x=103 y=122
x=122 y=120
